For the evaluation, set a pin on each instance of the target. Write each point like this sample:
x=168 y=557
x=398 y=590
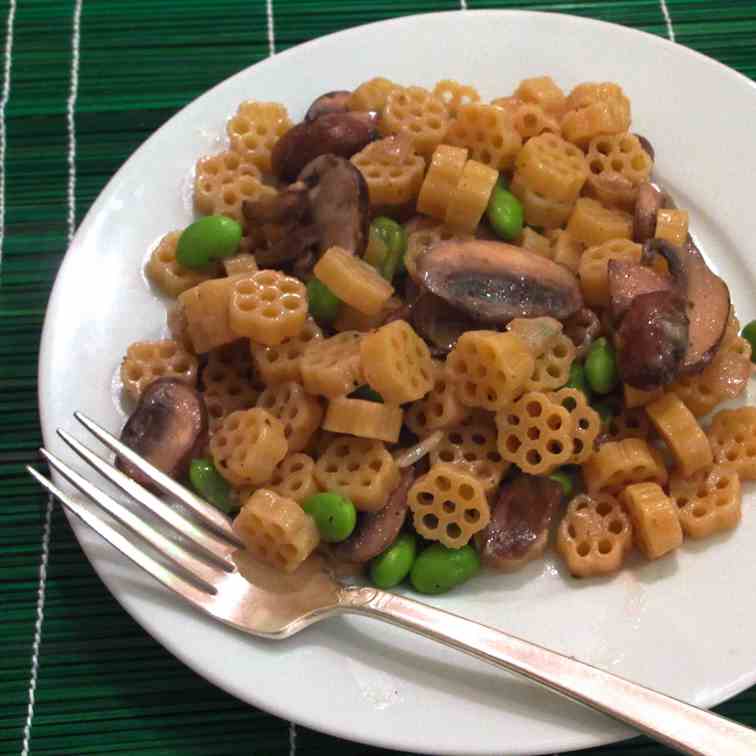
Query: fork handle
x=681 y=726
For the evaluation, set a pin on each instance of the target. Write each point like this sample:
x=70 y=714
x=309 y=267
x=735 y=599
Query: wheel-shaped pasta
x=594 y=536
x=449 y=505
x=531 y=120
x=441 y=180
x=332 y=367
x=205 y=309
x=277 y=364
x=552 y=368
x=618 y=165
x=489 y=369
x=488 y=133
x=372 y=95
x=241 y=264
x=469 y=199
x=732 y=435
x=145 y=361
x=392 y=170
x=656 y=526
x=708 y=501
x=170 y=276
x=268 y=307
x=594 y=268
x=535 y=242
x=618 y=464
x=586 y=423
x=299 y=412
x=681 y=432
x=629 y=423
x=454 y=95
x=353 y=281
x=396 y=362
x=350 y=319
x=419 y=114
x=359 y=468
x=552 y=167
x=565 y=250
x=254 y=130
x=366 y=419
x=474 y=448
x=672 y=226
x=539 y=210
x=543 y=91
x=294 y=477
x=440 y=408
x=247 y=447
x=592 y=223
x=535 y=433
x=593 y=110
x=276 y=530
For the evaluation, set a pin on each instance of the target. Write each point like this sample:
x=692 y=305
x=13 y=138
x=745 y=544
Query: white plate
x=684 y=625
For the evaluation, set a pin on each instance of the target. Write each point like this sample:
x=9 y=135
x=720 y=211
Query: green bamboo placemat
x=84 y=83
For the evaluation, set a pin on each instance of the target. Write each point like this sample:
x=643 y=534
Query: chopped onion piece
x=408 y=457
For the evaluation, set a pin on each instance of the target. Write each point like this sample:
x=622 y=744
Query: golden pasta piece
x=441 y=180
x=536 y=433
x=554 y=168
x=681 y=432
x=593 y=110
x=630 y=423
x=592 y=223
x=656 y=526
x=175 y=320
x=372 y=95
x=508 y=104
x=350 y=319
x=618 y=464
x=594 y=268
x=294 y=478
x=732 y=435
x=586 y=422
x=530 y=120
x=332 y=367
x=396 y=362
x=473 y=448
x=552 y=368
x=707 y=502
x=222 y=182
x=448 y=505
x=167 y=274
x=489 y=369
x=539 y=210
x=353 y=281
x=254 y=130
x=535 y=242
x=470 y=197
x=594 y=536
x=417 y=113
x=488 y=133
x=277 y=364
x=392 y=170
x=299 y=412
x=454 y=95
x=359 y=468
x=366 y=419
x=542 y=91
x=247 y=447
x=440 y=408
x=241 y=264
x=267 y=307
x=276 y=530
x=566 y=250
x=672 y=226
x=635 y=397
x=206 y=311
x=423 y=238
x=227 y=382
x=146 y=361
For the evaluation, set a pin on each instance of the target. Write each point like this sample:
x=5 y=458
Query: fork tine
x=210 y=547
x=202 y=509
x=198 y=569
x=159 y=571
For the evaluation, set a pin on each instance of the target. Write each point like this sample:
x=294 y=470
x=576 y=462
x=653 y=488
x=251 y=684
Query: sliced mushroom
x=647 y=146
x=650 y=200
x=627 y=280
x=494 y=282
x=168 y=428
x=330 y=102
x=376 y=531
x=342 y=134
x=438 y=323
x=520 y=520
x=583 y=328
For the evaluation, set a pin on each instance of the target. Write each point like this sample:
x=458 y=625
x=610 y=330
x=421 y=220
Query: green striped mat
x=82 y=677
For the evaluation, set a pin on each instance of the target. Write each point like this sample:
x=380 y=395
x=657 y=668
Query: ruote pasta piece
x=299 y=412
x=294 y=477
x=358 y=417
x=586 y=422
x=543 y=91
x=531 y=120
x=254 y=130
x=592 y=223
x=538 y=209
x=417 y=113
x=440 y=181
x=205 y=310
x=732 y=435
x=372 y=95
x=145 y=361
x=454 y=95
x=552 y=368
x=332 y=367
x=167 y=274
x=552 y=167
x=277 y=364
x=470 y=197
x=440 y=408
x=618 y=165
x=593 y=270
x=672 y=226
x=653 y=514
x=448 y=505
x=392 y=170
x=594 y=109
x=618 y=464
x=629 y=423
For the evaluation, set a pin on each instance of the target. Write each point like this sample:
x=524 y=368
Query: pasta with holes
x=167 y=274
x=439 y=408
x=332 y=367
x=653 y=514
x=732 y=435
x=444 y=173
x=552 y=368
x=254 y=130
x=277 y=364
x=593 y=269
x=300 y=413
x=228 y=382
x=146 y=361
x=294 y=477
x=586 y=423
x=618 y=464
x=366 y=419
x=392 y=170
x=418 y=114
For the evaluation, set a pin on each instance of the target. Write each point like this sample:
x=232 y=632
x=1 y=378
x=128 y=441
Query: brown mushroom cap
x=583 y=328
x=376 y=531
x=168 y=428
x=342 y=134
x=627 y=280
x=438 y=323
x=646 y=145
x=494 y=282
x=330 y=102
x=520 y=520
x=650 y=200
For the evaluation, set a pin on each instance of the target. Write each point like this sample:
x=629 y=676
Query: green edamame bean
x=577 y=379
x=749 y=334
x=334 y=515
x=601 y=367
x=504 y=213
x=394 y=564
x=366 y=393
x=323 y=303
x=387 y=243
x=210 y=238
x=439 y=569
x=210 y=485
x=565 y=481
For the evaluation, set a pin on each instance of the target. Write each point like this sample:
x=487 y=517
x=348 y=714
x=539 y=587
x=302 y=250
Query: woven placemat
x=84 y=83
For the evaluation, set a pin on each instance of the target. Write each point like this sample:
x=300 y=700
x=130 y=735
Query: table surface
x=84 y=84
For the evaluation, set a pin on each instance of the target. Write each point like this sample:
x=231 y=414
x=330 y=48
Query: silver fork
x=202 y=566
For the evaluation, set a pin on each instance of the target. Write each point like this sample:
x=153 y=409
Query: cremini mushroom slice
x=330 y=102
x=650 y=200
